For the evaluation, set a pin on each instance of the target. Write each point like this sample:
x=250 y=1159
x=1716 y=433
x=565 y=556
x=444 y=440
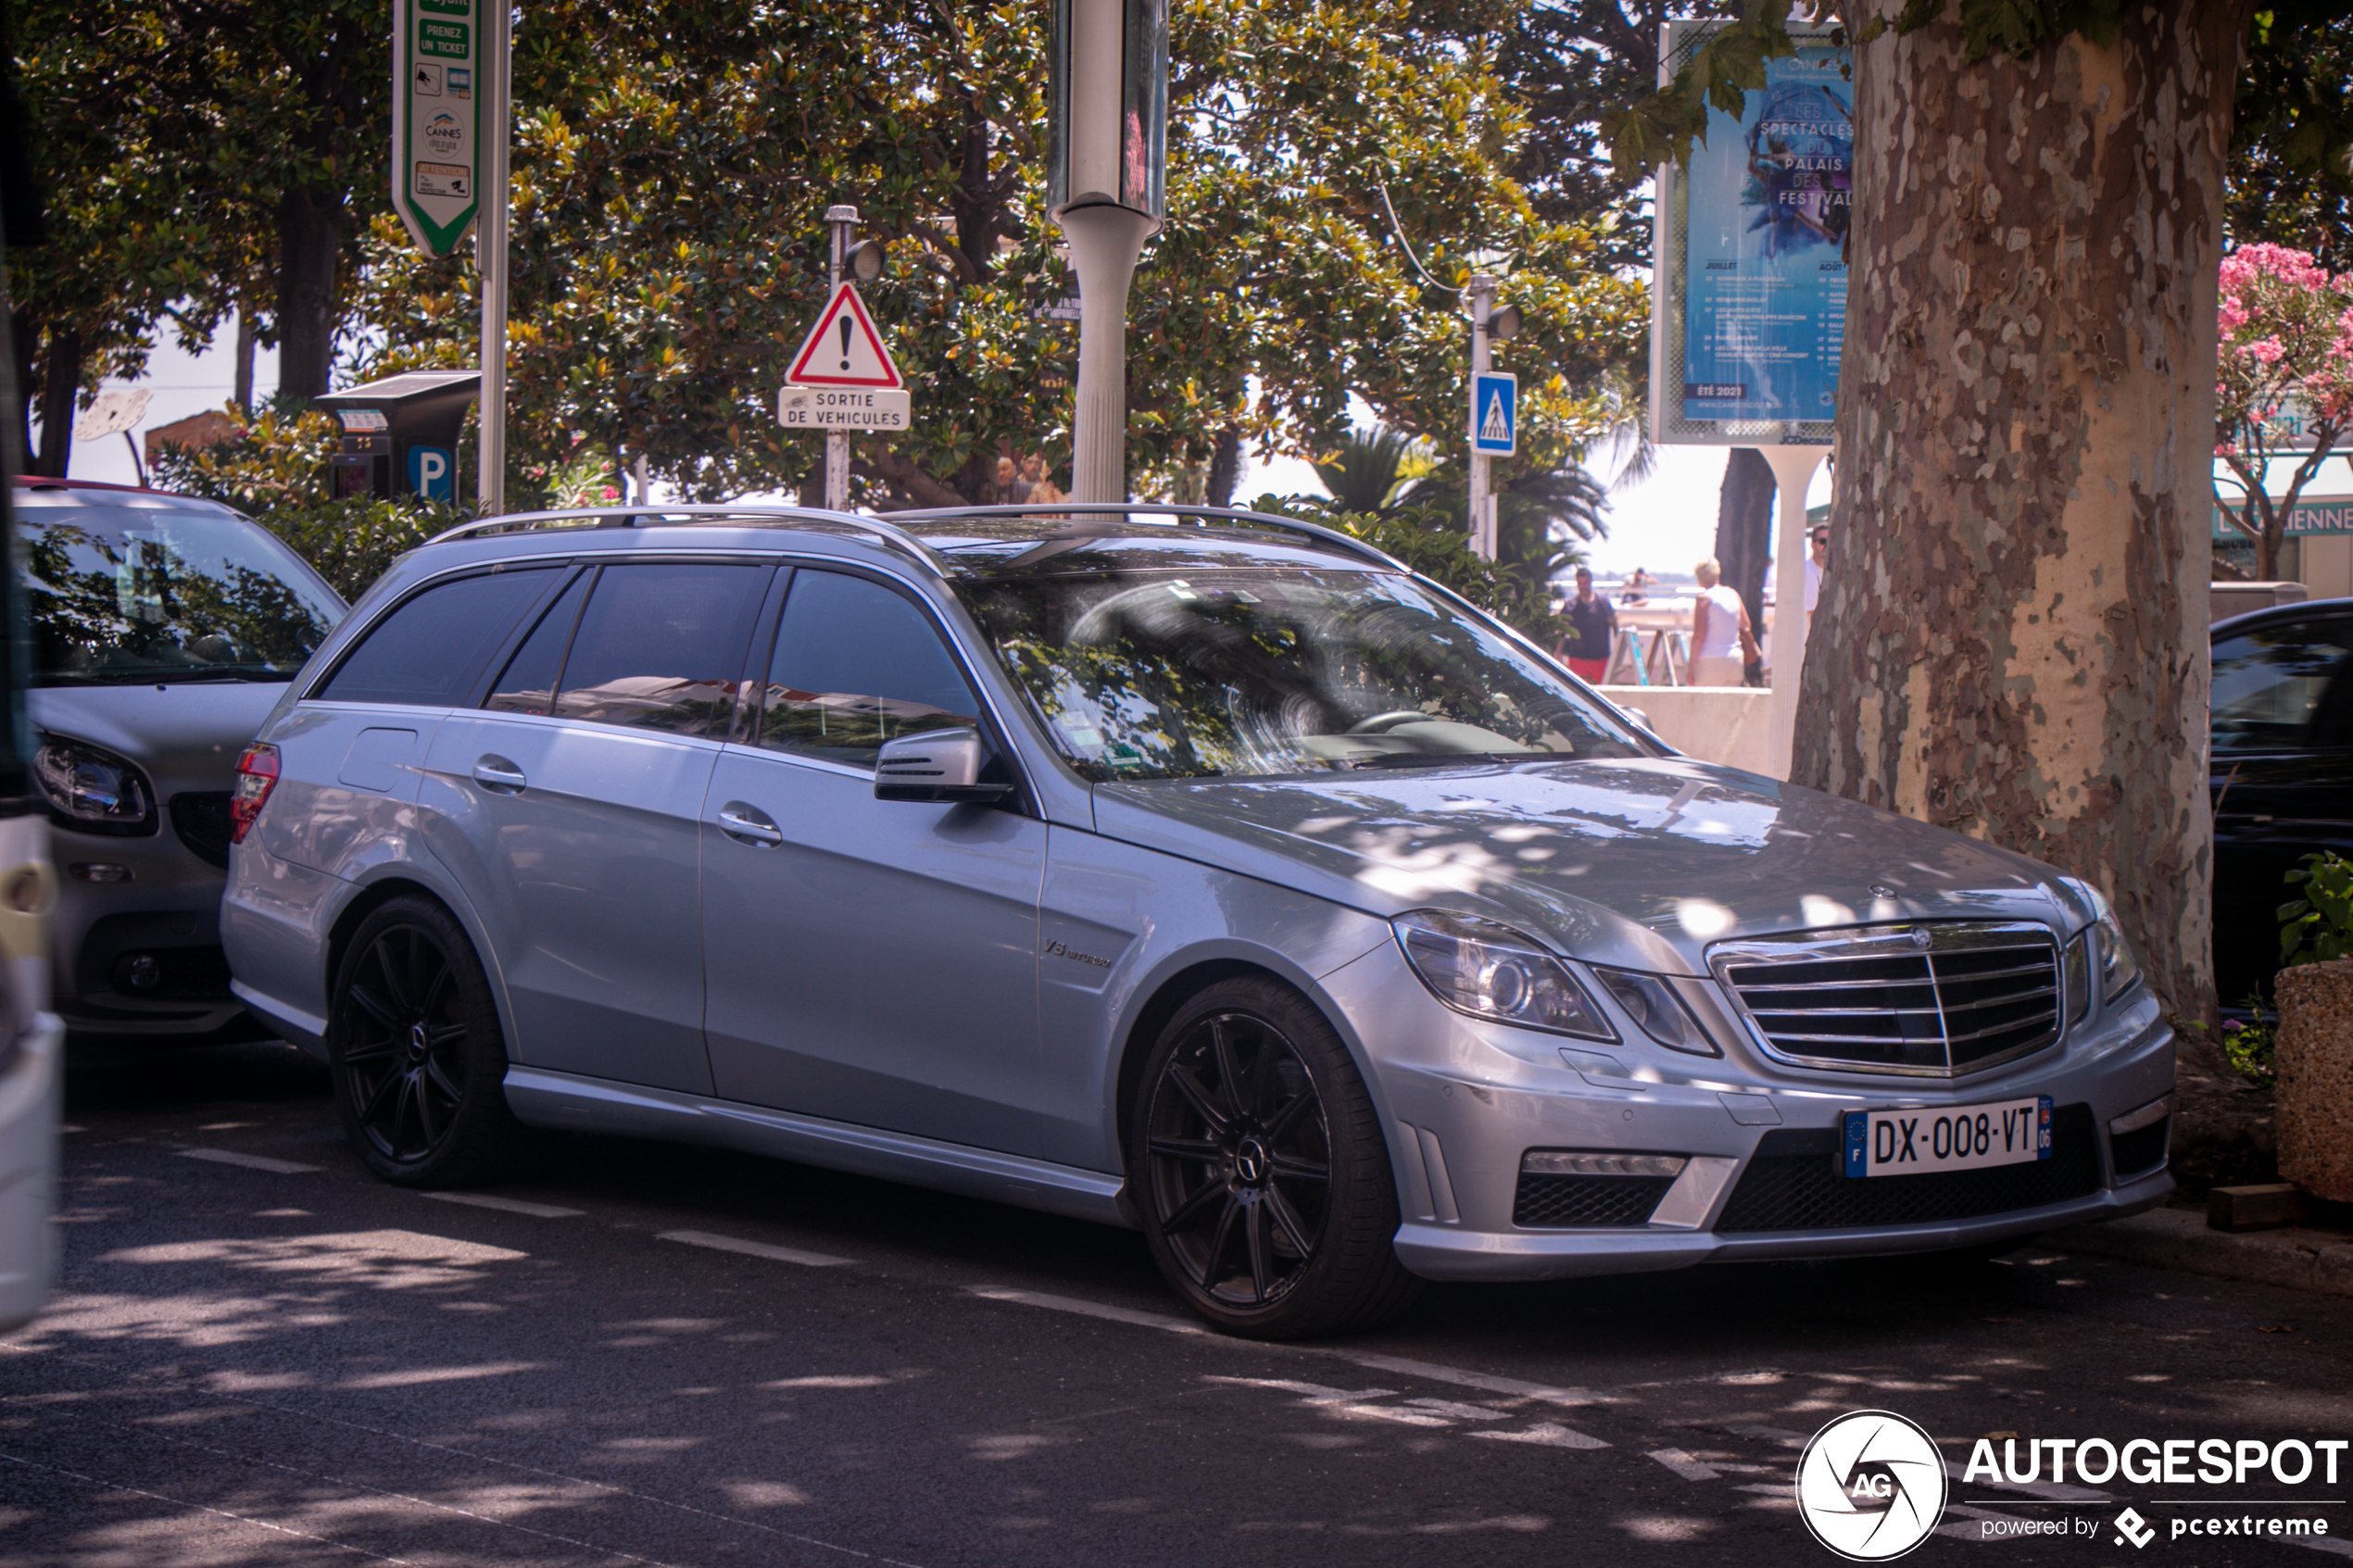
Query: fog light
x=98 y=870
x=139 y=972
x=2148 y=1115
x=1566 y=1162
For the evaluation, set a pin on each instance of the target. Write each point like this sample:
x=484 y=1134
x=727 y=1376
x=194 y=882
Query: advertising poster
x=1768 y=202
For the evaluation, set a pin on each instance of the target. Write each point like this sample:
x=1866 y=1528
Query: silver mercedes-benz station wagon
x=1200 y=873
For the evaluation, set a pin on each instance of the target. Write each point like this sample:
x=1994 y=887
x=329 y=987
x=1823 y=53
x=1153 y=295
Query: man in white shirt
x=1817 y=556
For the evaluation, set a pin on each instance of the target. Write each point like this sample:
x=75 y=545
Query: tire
x=418 y=1060
x=1258 y=1164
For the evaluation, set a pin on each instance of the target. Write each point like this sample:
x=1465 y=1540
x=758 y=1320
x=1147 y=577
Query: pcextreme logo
x=1870 y=1486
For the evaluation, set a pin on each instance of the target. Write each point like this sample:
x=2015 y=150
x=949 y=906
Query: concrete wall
x=2328 y=565
x=1723 y=724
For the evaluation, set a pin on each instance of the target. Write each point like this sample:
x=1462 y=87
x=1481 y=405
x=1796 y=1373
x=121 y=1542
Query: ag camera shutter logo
x=1870 y=1486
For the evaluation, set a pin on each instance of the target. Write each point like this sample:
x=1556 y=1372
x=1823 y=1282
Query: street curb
x=2320 y=1262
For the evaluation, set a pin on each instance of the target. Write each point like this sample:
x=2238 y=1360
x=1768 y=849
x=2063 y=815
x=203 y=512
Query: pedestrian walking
x=1722 y=641
x=1592 y=629
x=1818 y=556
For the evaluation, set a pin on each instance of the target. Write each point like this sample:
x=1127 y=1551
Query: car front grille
x=1933 y=999
x=1797 y=1182
x=201 y=819
x=1553 y=1202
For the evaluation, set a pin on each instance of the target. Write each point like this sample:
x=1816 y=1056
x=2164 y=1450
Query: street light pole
x=1482 y=509
x=842 y=219
x=1109 y=115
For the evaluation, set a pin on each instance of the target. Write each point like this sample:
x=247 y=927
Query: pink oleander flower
x=2265 y=350
x=610 y=493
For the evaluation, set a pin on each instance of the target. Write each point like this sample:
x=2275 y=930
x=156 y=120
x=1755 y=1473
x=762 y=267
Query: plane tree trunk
x=2011 y=640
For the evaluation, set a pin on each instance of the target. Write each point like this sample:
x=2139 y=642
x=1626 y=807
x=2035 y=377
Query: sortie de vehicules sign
x=437 y=95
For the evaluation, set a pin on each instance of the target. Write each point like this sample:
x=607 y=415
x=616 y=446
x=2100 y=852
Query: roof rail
x=1080 y=513
x=650 y=515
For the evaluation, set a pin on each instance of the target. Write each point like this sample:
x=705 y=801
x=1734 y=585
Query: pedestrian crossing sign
x=1494 y=413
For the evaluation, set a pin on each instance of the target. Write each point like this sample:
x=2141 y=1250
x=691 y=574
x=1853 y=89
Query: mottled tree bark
x=312 y=226
x=2011 y=640
x=61 y=386
x=1745 y=527
x=1224 y=466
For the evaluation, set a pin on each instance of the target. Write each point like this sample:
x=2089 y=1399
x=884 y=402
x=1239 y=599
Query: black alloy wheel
x=418 y=1060
x=1260 y=1166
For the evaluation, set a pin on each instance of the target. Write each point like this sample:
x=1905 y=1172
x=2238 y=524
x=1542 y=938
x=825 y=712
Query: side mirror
x=1637 y=715
x=943 y=765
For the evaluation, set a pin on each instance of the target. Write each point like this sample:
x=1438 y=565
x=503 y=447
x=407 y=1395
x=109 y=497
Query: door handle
x=750 y=824
x=498 y=776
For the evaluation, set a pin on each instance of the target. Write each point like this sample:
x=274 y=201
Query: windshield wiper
x=1429 y=758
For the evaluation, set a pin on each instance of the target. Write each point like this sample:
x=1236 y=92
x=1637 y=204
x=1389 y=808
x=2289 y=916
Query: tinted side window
x=2269 y=682
x=661 y=646
x=529 y=683
x=428 y=650
x=857 y=665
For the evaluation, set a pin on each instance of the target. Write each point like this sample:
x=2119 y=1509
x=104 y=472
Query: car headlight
x=2099 y=959
x=1488 y=970
x=91 y=788
x=1660 y=1012
x=2112 y=959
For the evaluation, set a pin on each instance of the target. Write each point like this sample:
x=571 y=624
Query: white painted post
x=1105 y=242
x=1482 y=510
x=1792 y=472
x=843 y=220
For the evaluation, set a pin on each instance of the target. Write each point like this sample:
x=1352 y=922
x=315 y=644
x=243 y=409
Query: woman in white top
x=1721 y=638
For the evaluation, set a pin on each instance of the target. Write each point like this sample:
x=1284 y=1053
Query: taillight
x=256 y=776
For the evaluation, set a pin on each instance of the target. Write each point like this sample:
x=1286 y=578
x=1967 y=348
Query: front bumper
x=1465 y=1100
x=167 y=913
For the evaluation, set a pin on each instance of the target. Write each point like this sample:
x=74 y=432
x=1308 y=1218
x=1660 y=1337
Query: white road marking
x=1551 y=1435
x=2332 y=1544
x=250 y=1162
x=416 y=1375
x=1088 y=1309
x=1485 y=1382
x=1459 y=1412
x=505 y=1205
x=1965 y=1533
x=1559 y=1437
x=755 y=1248
x=1684 y=1464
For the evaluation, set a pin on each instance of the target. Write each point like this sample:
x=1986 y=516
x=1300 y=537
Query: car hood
x=184 y=737
x=1641 y=862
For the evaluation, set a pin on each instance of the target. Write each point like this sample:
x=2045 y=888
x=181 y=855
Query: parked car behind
x=1229 y=882
x=2282 y=772
x=162 y=628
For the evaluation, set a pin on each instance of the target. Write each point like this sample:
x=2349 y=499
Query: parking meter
x=400 y=433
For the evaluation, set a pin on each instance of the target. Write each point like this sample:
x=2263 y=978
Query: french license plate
x=1956 y=1137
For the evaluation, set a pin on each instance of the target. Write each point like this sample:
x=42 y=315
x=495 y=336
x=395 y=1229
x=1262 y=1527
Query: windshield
x=1250 y=671
x=127 y=594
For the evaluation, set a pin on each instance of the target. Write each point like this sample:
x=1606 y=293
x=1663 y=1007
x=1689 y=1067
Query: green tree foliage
x=672 y=169
x=200 y=157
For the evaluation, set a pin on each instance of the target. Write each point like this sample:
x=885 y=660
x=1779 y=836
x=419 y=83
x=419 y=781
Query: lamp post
x=1104 y=186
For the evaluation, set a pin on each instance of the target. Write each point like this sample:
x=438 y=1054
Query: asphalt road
x=659 y=1355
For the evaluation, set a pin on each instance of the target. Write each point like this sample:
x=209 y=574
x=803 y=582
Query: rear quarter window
x=426 y=653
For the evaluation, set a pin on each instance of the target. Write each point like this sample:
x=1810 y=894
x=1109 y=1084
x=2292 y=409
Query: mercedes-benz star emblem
x=1879 y=890
x=1870 y=1486
x=1920 y=938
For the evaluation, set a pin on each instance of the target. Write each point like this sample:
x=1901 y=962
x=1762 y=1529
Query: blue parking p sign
x=429 y=472
x=1494 y=413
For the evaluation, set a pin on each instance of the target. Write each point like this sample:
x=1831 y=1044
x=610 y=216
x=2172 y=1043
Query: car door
x=2282 y=779
x=868 y=962
x=569 y=806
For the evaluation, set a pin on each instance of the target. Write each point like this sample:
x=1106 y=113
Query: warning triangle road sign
x=843 y=350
